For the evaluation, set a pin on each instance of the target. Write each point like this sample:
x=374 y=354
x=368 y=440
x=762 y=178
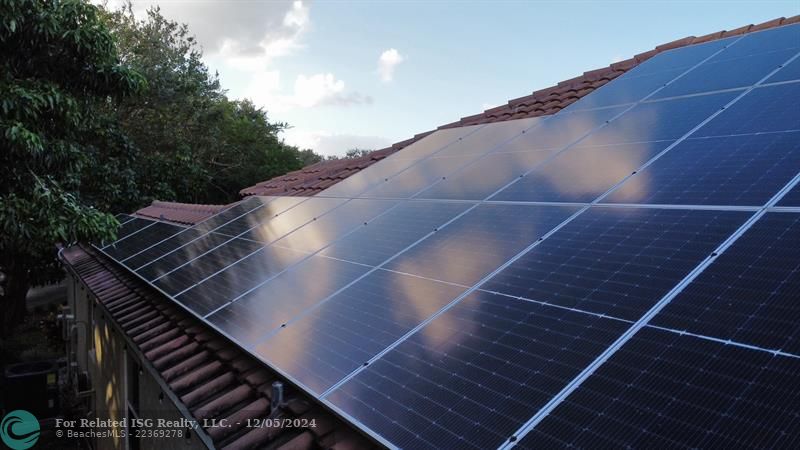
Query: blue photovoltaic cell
x=270 y=230
x=266 y=214
x=335 y=224
x=196 y=270
x=473 y=375
x=478 y=242
x=146 y=237
x=658 y=121
x=236 y=279
x=347 y=330
x=742 y=64
x=581 y=174
x=750 y=293
x=616 y=261
x=436 y=142
x=682 y=57
x=148 y=255
x=760 y=110
x=264 y=309
x=628 y=88
x=792 y=198
x=790 y=72
x=485 y=176
x=489 y=137
x=392 y=232
x=131 y=226
x=664 y=390
x=559 y=130
x=730 y=170
x=418 y=177
x=223 y=217
x=359 y=182
x=179 y=256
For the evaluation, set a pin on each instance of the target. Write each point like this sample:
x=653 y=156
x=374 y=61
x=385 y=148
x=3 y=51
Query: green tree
x=59 y=60
x=196 y=144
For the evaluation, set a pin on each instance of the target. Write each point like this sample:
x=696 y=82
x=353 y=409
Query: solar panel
x=616 y=261
x=392 y=232
x=762 y=110
x=471 y=290
x=790 y=72
x=321 y=347
x=749 y=293
x=473 y=245
x=659 y=120
x=475 y=373
x=485 y=176
x=440 y=139
x=666 y=390
x=741 y=64
x=581 y=174
x=639 y=82
x=260 y=312
x=728 y=170
x=792 y=198
x=141 y=240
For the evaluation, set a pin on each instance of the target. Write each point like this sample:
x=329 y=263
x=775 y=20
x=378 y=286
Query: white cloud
x=308 y=91
x=328 y=143
x=387 y=63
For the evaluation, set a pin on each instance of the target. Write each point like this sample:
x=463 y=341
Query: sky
x=366 y=74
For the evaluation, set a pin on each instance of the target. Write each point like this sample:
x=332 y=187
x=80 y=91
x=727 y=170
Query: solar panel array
x=624 y=272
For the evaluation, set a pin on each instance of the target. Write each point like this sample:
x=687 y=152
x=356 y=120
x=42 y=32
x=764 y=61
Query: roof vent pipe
x=277 y=397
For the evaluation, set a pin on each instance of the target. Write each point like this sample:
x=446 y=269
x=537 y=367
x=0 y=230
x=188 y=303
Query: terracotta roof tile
x=212 y=376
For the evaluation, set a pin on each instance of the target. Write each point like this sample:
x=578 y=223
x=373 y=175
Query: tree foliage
x=59 y=60
x=197 y=145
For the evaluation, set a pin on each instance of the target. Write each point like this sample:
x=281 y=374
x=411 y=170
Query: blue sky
x=348 y=74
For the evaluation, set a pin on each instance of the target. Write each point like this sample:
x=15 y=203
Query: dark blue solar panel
x=581 y=174
x=658 y=121
x=247 y=205
x=559 y=130
x=260 y=215
x=489 y=137
x=485 y=176
x=628 y=88
x=131 y=226
x=473 y=375
x=733 y=170
x=196 y=270
x=790 y=72
x=419 y=177
x=761 y=110
x=270 y=230
x=663 y=390
x=785 y=37
x=792 y=198
x=187 y=251
x=685 y=57
x=479 y=242
x=146 y=237
x=727 y=70
x=750 y=293
x=392 y=232
x=344 y=332
x=263 y=310
x=148 y=255
x=335 y=224
x=234 y=280
x=616 y=261
x=360 y=182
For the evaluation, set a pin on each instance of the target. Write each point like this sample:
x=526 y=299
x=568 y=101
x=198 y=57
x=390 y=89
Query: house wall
x=119 y=379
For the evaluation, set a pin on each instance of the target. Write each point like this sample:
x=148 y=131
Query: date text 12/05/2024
x=185 y=423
